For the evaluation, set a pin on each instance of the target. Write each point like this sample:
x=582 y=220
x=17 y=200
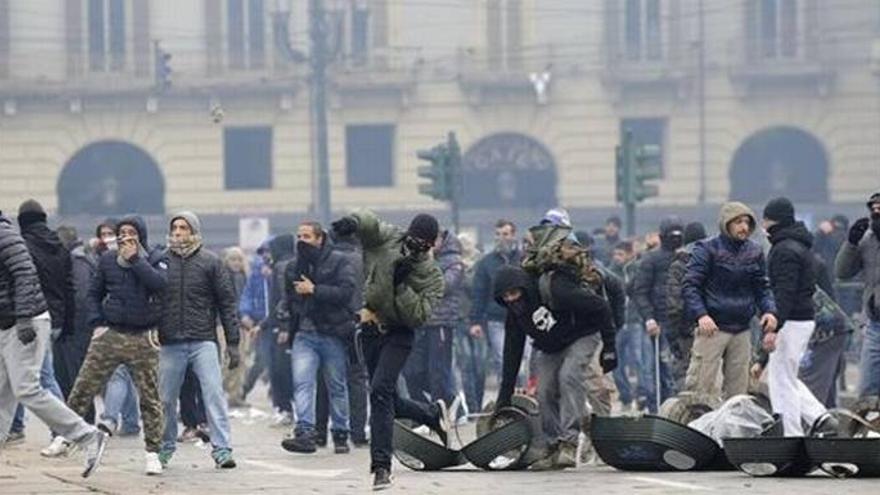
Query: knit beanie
x=780 y=210
x=30 y=212
x=424 y=227
x=694 y=231
x=191 y=219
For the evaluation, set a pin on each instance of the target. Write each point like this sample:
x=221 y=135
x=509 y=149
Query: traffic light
x=647 y=167
x=437 y=173
x=162 y=70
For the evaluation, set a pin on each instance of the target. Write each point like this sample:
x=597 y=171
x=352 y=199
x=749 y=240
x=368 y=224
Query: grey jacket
x=865 y=259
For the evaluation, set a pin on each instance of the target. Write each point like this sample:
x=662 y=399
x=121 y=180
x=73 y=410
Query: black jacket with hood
x=649 y=286
x=54 y=268
x=129 y=298
x=791 y=265
x=578 y=312
x=199 y=291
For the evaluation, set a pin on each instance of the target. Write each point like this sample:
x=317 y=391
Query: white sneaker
x=59 y=447
x=152 y=467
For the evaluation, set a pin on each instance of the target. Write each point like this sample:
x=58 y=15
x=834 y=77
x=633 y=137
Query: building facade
x=746 y=99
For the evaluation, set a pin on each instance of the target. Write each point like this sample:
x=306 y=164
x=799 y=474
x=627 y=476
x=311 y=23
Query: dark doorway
x=508 y=170
x=111 y=178
x=780 y=161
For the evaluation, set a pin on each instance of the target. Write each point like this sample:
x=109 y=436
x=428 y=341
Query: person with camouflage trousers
x=124 y=309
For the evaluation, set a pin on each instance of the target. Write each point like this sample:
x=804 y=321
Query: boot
x=301 y=443
x=320 y=438
x=548 y=462
x=340 y=442
x=566 y=456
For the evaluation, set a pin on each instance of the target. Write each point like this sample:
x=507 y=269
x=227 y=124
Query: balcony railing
x=504 y=69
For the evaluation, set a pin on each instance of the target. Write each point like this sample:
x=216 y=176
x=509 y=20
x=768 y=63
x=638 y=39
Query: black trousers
x=192 y=407
x=385 y=356
x=358 y=392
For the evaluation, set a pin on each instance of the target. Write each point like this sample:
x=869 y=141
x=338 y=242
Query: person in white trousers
x=792 y=270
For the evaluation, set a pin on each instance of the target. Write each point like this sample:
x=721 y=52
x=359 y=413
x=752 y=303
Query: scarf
x=186 y=247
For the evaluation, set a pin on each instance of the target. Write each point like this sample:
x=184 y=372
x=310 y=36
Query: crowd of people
x=355 y=324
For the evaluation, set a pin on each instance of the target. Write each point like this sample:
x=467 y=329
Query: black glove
x=345 y=226
x=857 y=231
x=608 y=359
x=25 y=330
x=402 y=269
x=234 y=356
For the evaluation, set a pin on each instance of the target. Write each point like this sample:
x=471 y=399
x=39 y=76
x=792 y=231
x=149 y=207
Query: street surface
x=263 y=467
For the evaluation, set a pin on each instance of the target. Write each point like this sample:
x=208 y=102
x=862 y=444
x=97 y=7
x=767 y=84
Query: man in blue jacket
x=725 y=286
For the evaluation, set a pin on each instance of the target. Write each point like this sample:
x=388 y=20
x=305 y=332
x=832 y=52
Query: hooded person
x=403 y=287
x=649 y=294
x=124 y=307
x=202 y=293
x=860 y=254
x=791 y=266
x=567 y=321
x=726 y=285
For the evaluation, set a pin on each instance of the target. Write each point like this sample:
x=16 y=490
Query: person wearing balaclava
x=486 y=315
x=649 y=294
x=199 y=293
x=403 y=286
x=726 y=285
x=861 y=254
x=319 y=305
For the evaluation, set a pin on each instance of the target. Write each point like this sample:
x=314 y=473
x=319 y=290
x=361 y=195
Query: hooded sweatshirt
x=578 y=312
x=727 y=278
x=54 y=266
x=792 y=268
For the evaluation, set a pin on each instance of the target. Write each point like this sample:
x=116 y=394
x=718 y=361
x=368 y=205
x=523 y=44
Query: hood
x=139 y=224
x=191 y=218
x=730 y=211
x=450 y=245
x=282 y=247
x=39 y=235
x=797 y=231
x=671 y=224
x=514 y=277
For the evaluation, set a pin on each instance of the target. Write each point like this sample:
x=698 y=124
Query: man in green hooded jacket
x=402 y=286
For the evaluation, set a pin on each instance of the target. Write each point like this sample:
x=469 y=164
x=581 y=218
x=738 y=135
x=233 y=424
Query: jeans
x=120 y=398
x=358 y=396
x=667 y=380
x=385 y=356
x=495 y=338
x=789 y=396
x=313 y=351
x=205 y=361
x=869 y=368
x=428 y=370
x=20 y=367
x=47 y=381
x=470 y=358
x=629 y=354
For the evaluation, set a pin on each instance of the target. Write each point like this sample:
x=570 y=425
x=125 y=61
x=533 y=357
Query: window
x=650 y=131
x=504 y=33
x=774 y=25
x=643 y=40
x=360 y=27
x=106 y=26
x=369 y=155
x=360 y=30
x=246 y=33
x=247 y=157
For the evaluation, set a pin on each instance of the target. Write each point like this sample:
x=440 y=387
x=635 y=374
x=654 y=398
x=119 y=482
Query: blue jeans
x=48 y=382
x=312 y=351
x=204 y=359
x=667 y=381
x=869 y=369
x=495 y=337
x=120 y=398
x=629 y=353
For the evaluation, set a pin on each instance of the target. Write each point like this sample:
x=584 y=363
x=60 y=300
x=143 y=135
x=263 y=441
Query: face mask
x=307 y=252
x=109 y=243
x=518 y=307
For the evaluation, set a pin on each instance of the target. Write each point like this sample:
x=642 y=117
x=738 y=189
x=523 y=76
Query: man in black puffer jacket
x=649 y=294
x=199 y=292
x=792 y=270
x=319 y=304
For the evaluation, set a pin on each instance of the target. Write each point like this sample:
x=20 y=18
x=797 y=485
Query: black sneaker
x=382 y=479
x=300 y=444
x=340 y=443
x=441 y=428
x=321 y=439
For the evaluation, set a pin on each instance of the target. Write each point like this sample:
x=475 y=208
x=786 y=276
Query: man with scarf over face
x=319 y=297
x=199 y=291
x=861 y=254
x=649 y=294
x=403 y=285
